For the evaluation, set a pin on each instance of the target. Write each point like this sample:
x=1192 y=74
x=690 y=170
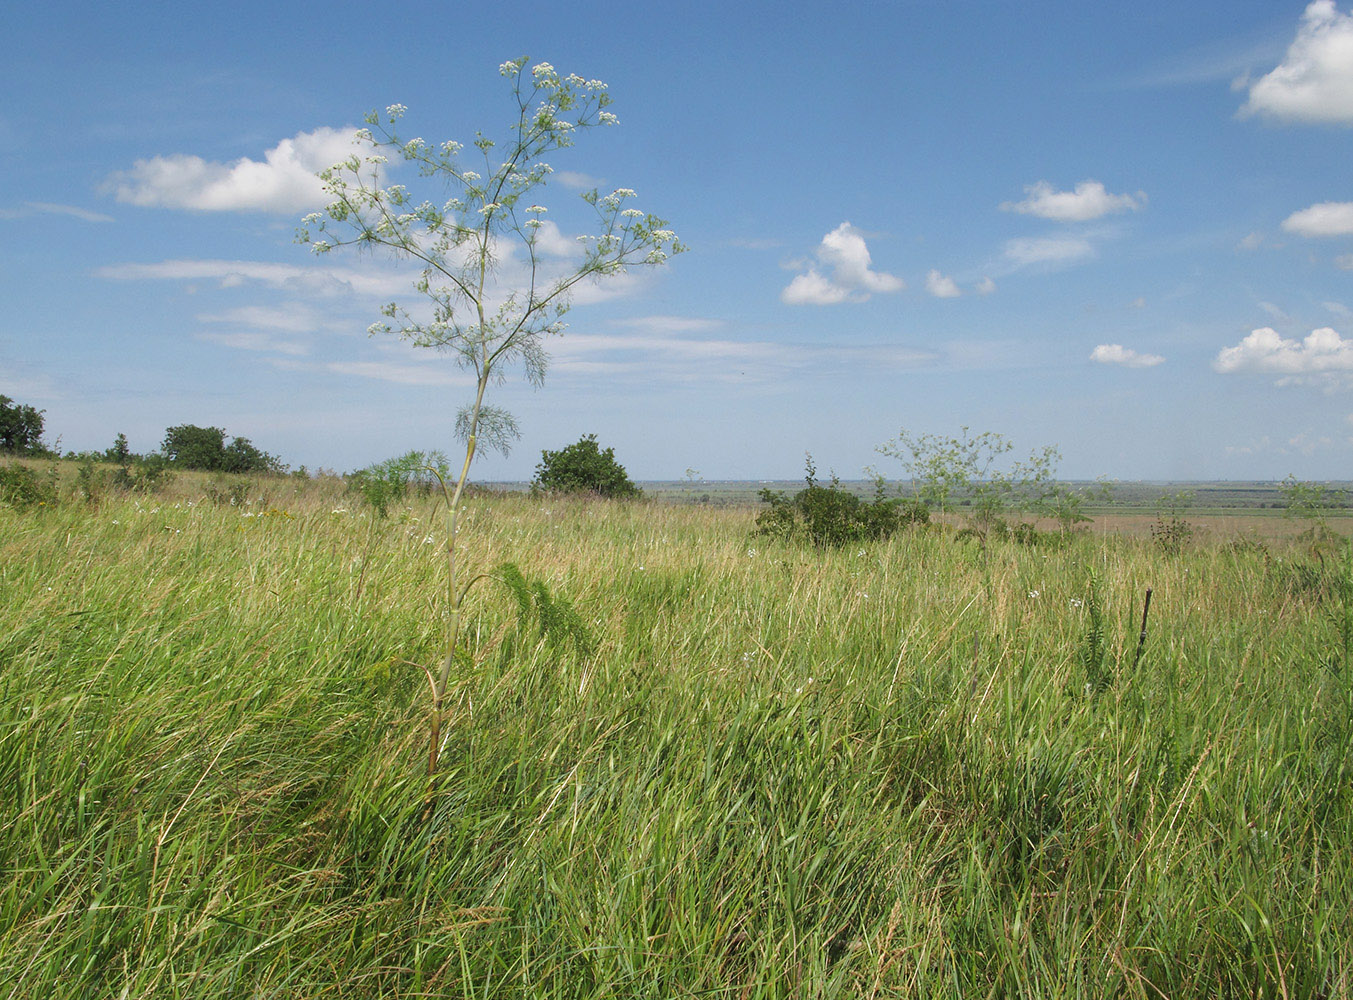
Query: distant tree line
x=185 y=446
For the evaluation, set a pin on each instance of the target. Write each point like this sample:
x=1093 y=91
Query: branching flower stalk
x=495 y=276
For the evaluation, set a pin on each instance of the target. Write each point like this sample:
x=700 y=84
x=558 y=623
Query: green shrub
x=21 y=487
x=389 y=482
x=583 y=467
x=830 y=516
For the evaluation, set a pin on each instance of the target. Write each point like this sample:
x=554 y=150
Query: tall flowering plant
x=493 y=282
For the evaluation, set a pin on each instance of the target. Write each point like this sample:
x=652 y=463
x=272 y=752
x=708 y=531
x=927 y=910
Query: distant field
x=1260 y=498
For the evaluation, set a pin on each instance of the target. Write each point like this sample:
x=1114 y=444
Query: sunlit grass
x=784 y=772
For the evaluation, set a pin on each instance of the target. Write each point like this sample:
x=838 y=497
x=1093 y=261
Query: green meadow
x=922 y=767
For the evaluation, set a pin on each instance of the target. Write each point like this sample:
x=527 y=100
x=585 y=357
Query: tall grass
x=869 y=772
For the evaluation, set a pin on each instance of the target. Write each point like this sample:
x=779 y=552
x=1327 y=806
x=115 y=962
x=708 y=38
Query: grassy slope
x=783 y=773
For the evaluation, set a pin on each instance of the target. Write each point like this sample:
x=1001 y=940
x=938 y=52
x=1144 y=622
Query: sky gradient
x=1126 y=232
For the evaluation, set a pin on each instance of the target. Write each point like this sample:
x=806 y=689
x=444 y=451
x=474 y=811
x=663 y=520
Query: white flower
x=623 y=193
x=1033 y=594
x=632 y=213
x=395 y=110
x=1076 y=602
x=537 y=209
x=607 y=118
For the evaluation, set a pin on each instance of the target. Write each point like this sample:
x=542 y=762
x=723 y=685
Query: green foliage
x=967 y=471
x=828 y=516
x=21 y=487
x=584 y=467
x=120 y=453
x=393 y=480
x=1312 y=503
x=143 y=474
x=1066 y=503
x=551 y=617
x=188 y=446
x=1171 y=531
x=20 y=428
x=1094 y=647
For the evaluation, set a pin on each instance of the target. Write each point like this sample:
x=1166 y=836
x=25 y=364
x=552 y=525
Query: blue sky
x=1126 y=230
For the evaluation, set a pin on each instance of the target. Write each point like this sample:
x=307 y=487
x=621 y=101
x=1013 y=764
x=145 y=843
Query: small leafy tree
x=461 y=232
x=1312 y=503
x=120 y=453
x=584 y=467
x=20 y=428
x=191 y=447
x=947 y=472
x=1066 y=504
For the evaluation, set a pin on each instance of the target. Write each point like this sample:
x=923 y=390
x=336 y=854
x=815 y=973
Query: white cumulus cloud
x=283 y=182
x=1314 y=82
x=1117 y=354
x=1088 y=201
x=1329 y=218
x=1322 y=355
x=941 y=285
x=841 y=273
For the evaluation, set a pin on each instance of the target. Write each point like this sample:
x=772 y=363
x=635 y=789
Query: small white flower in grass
x=1076 y=602
x=1033 y=594
x=428 y=540
x=751 y=553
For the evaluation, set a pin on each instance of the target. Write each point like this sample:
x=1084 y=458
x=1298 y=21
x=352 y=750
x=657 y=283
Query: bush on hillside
x=584 y=467
x=829 y=516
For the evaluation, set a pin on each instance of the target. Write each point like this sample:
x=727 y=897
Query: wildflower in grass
x=1033 y=595
x=1076 y=602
